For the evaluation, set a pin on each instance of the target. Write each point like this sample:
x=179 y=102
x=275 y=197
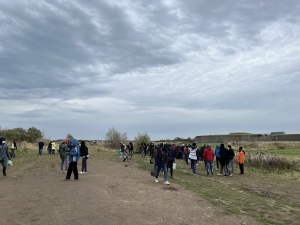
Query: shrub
x=270 y=161
x=141 y=138
x=113 y=138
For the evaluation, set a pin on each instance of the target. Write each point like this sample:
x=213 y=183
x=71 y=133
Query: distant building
x=276 y=133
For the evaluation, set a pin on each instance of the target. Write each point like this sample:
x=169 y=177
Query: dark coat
x=224 y=156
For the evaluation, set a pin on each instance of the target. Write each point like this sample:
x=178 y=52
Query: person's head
x=209 y=145
x=222 y=145
x=1 y=140
x=229 y=146
x=194 y=144
x=240 y=149
x=66 y=141
x=82 y=143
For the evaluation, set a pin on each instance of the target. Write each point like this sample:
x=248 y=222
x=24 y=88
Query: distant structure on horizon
x=277 y=133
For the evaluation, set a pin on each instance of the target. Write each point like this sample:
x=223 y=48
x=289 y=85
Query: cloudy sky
x=172 y=68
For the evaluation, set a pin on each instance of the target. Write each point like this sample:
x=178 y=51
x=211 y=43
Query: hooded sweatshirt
x=74 y=154
x=84 y=151
x=3 y=151
x=217 y=152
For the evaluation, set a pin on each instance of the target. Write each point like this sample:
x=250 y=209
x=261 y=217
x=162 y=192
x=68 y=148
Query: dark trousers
x=217 y=160
x=170 y=165
x=241 y=167
x=84 y=164
x=72 y=168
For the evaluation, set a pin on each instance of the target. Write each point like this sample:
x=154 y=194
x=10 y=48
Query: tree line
x=31 y=135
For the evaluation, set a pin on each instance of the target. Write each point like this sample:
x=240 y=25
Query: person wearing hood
x=63 y=149
x=194 y=156
x=84 y=153
x=74 y=156
x=224 y=160
x=4 y=155
x=208 y=157
x=217 y=154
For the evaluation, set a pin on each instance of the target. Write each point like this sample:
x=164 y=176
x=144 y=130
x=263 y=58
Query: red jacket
x=208 y=155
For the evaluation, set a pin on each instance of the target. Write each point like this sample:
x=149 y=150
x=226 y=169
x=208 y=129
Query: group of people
x=70 y=152
x=165 y=155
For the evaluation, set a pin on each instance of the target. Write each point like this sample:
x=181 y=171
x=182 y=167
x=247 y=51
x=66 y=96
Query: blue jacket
x=74 y=154
x=217 y=151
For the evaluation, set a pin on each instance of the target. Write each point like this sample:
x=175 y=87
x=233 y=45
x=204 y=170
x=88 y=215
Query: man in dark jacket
x=231 y=159
x=84 y=153
x=171 y=158
x=161 y=163
x=224 y=160
x=3 y=155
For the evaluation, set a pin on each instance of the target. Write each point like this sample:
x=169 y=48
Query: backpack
x=61 y=146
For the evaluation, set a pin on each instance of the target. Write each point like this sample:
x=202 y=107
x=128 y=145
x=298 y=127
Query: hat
x=194 y=144
x=66 y=141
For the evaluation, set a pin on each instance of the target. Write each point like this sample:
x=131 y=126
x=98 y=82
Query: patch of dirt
x=109 y=193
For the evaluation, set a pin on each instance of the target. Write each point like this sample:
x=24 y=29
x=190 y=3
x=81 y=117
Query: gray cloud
x=137 y=66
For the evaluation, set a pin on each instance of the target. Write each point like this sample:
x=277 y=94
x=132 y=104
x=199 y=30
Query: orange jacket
x=241 y=157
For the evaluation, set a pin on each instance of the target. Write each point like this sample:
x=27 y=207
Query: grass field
x=269 y=197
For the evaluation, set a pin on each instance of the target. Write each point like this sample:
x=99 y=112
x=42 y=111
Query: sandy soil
x=110 y=193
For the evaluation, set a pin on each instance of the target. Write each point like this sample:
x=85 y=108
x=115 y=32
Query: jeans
x=226 y=170
x=40 y=151
x=209 y=167
x=164 y=167
x=3 y=162
x=231 y=163
x=193 y=165
x=83 y=167
x=63 y=162
x=187 y=159
x=53 y=151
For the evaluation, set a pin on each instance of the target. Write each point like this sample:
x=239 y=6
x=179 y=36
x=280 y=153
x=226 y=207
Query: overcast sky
x=173 y=68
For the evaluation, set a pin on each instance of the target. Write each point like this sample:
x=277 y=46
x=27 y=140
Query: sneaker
x=219 y=174
x=156 y=180
x=217 y=169
x=230 y=175
x=166 y=182
x=66 y=179
x=75 y=179
x=80 y=172
x=84 y=172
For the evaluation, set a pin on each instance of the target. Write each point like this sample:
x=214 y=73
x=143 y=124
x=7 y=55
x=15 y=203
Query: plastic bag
x=9 y=163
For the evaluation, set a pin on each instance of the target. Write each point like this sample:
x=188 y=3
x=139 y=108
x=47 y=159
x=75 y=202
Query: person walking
x=63 y=149
x=74 y=156
x=161 y=163
x=171 y=158
x=84 y=153
x=241 y=159
x=231 y=159
x=208 y=157
x=4 y=155
x=217 y=154
x=131 y=148
x=194 y=156
x=13 y=148
x=41 y=145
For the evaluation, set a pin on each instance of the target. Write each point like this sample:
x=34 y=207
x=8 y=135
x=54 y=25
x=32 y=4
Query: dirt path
x=111 y=193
